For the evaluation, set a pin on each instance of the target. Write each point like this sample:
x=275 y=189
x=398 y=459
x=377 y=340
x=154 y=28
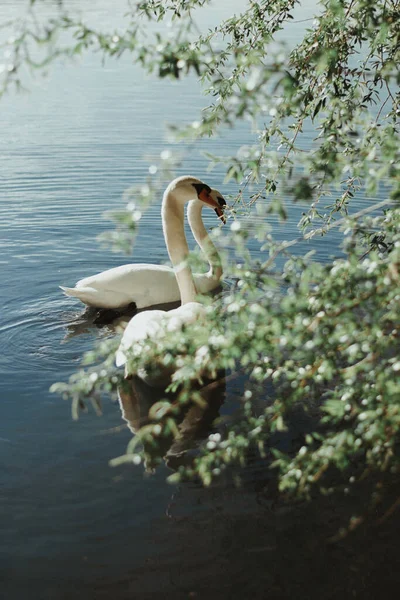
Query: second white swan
x=155 y=323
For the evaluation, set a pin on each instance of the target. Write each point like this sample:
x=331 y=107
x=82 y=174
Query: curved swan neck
x=203 y=239
x=172 y=213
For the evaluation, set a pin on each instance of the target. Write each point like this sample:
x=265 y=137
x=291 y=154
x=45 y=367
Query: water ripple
x=31 y=338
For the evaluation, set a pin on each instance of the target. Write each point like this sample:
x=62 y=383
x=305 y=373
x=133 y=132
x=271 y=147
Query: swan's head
x=212 y=197
x=183 y=188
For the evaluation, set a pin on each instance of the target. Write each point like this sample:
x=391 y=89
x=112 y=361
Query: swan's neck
x=172 y=218
x=203 y=239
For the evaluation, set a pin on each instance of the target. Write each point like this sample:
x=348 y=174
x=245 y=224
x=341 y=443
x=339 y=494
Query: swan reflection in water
x=136 y=400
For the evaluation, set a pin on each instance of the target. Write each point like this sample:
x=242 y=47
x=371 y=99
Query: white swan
x=155 y=323
x=147 y=284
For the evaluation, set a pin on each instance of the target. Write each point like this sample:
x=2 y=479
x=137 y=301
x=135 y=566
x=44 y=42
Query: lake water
x=70 y=525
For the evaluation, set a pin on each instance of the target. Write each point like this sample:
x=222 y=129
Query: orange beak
x=218 y=207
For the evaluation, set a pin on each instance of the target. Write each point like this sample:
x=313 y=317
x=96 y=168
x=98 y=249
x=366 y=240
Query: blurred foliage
x=325 y=337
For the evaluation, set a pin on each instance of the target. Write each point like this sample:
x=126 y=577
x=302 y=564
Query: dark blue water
x=70 y=525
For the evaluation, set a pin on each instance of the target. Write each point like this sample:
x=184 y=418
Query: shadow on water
x=228 y=542
x=245 y=541
x=235 y=541
x=231 y=548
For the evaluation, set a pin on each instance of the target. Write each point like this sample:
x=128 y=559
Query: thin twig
x=342 y=221
x=381 y=109
x=309 y=235
x=213 y=385
x=389 y=512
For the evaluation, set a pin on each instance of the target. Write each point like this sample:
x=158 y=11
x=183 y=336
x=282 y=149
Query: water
x=71 y=526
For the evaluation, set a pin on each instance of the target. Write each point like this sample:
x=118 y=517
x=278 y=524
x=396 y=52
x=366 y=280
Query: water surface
x=70 y=525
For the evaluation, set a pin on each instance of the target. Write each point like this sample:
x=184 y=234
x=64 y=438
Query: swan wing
x=154 y=324
x=144 y=284
x=184 y=315
x=147 y=324
x=124 y=275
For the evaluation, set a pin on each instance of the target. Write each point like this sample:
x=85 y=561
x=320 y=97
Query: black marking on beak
x=220 y=211
x=221 y=201
x=220 y=214
x=199 y=187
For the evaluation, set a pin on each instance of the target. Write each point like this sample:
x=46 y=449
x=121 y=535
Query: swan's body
x=144 y=284
x=156 y=323
x=147 y=284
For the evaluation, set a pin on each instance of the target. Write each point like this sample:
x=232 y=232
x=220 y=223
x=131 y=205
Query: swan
x=146 y=284
x=155 y=323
